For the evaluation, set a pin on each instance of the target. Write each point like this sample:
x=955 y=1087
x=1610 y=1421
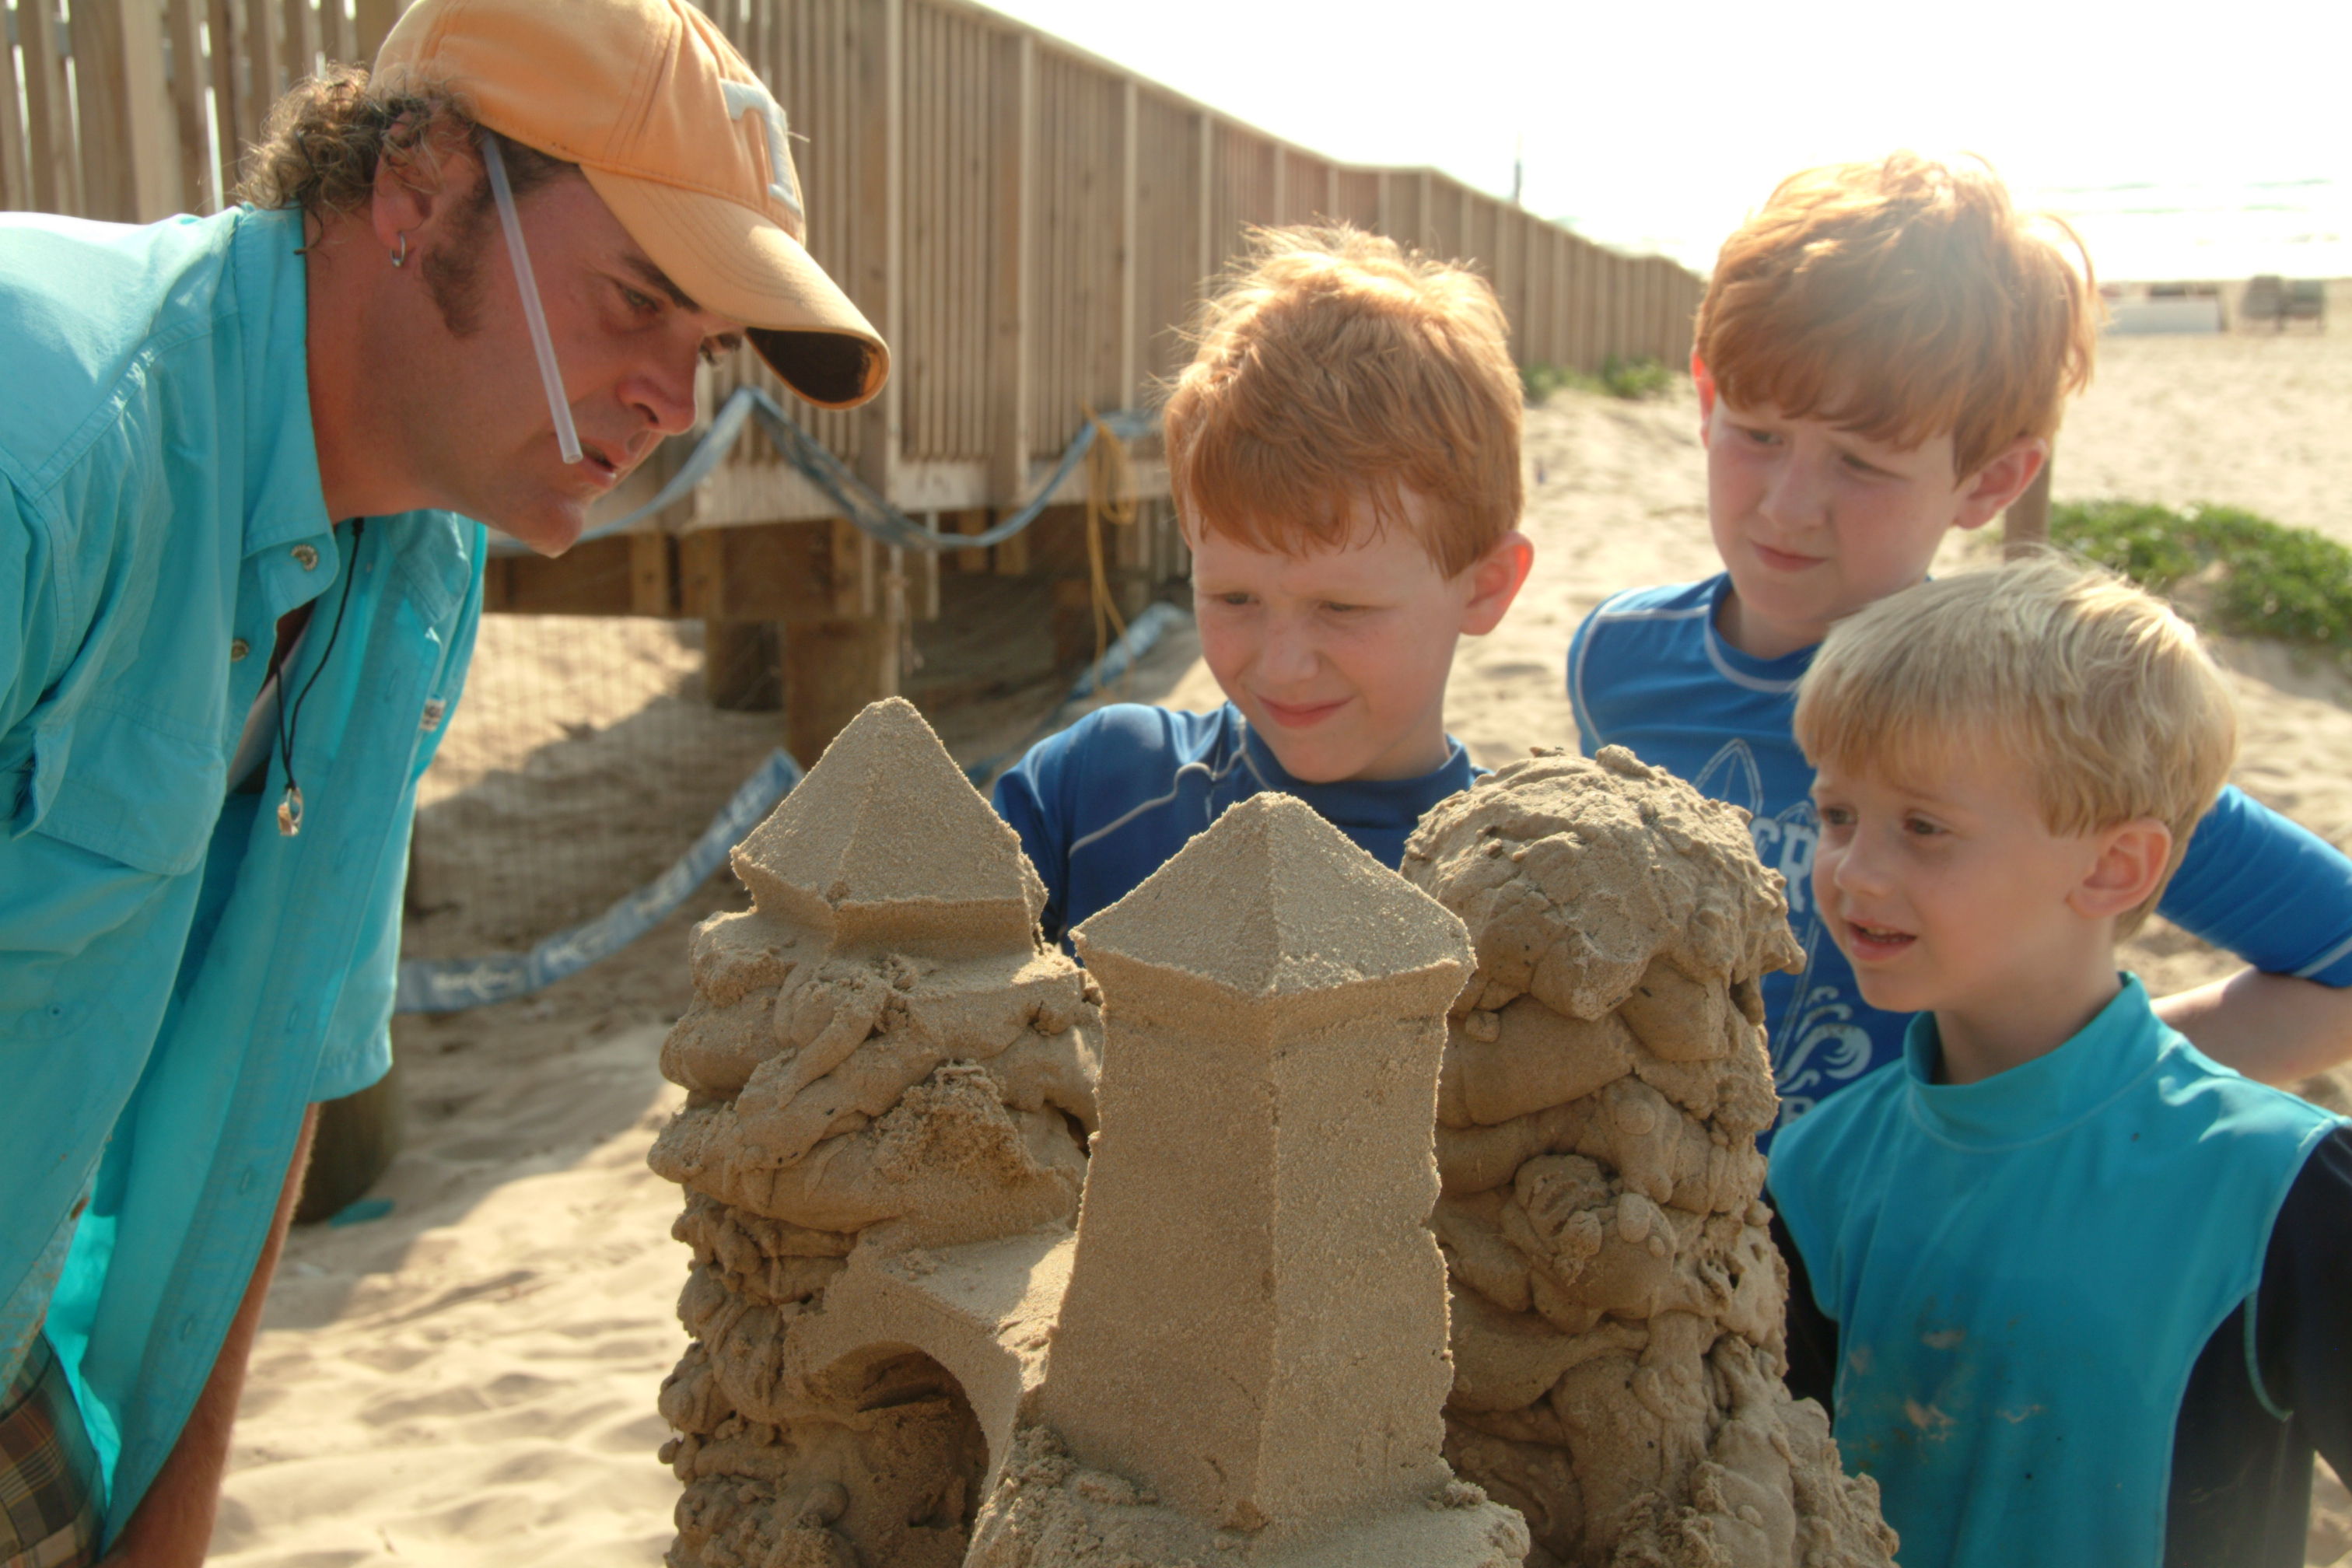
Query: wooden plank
x=832 y=670
x=128 y=153
x=338 y=35
x=1013 y=257
x=1129 y=345
x=764 y=571
x=225 y=28
x=852 y=586
x=199 y=179
x=591 y=578
x=1204 y=206
x=262 y=63
x=300 y=32
x=375 y=21
x=48 y=139
x=653 y=574
x=880 y=212
x=15 y=185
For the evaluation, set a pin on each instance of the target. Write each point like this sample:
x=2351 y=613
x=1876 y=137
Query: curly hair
x=324 y=141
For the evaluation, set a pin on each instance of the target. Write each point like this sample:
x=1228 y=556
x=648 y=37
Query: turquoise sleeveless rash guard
x=2024 y=1270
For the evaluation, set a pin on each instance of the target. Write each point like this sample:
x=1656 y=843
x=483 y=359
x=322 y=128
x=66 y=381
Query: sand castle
x=914 y=1345
x=883 y=1061
x=1618 y=1309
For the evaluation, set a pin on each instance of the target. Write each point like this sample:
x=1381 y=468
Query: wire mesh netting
x=583 y=757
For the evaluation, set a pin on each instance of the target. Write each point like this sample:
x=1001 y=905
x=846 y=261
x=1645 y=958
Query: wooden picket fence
x=1027 y=225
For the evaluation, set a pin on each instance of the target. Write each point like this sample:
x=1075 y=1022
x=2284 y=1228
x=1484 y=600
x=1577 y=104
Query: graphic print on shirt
x=1816 y=1045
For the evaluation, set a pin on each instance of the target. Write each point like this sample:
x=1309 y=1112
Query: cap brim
x=735 y=261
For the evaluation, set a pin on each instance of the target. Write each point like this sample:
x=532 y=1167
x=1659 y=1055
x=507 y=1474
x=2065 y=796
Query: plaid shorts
x=50 y=1515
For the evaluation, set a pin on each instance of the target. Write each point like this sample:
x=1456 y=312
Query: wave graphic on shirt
x=1817 y=1046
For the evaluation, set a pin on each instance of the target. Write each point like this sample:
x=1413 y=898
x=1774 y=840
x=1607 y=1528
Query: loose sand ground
x=470 y=1379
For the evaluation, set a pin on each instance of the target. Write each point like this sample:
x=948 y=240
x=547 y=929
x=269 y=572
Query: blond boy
x=1344 y=456
x=1881 y=358
x=2074 y=1292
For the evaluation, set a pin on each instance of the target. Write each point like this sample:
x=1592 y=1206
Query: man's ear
x=1986 y=494
x=413 y=187
x=2131 y=861
x=1495 y=579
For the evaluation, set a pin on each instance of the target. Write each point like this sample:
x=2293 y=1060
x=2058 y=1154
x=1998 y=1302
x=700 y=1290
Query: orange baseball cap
x=682 y=140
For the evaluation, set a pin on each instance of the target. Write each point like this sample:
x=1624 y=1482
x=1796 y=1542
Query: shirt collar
x=1365 y=803
x=2045 y=1097
x=283 y=498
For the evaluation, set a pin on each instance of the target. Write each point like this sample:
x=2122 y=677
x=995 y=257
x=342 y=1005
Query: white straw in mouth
x=567 y=439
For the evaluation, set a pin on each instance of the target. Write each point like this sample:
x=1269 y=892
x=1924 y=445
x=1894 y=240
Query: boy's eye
x=1337 y=608
x=1758 y=438
x=1835 y=816
x=1864 y=466
x=1920 y=827
x=638 y=303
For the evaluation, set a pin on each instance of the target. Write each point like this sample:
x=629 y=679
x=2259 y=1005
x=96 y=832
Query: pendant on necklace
x=290 y=813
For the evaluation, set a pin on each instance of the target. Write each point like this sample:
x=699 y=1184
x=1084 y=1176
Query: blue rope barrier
x=858 y=501
x=454 y=984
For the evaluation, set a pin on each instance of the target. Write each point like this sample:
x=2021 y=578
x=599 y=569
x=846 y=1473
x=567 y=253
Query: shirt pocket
x=123 y=785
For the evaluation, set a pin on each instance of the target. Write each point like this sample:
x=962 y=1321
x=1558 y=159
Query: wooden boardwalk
x=1026 y=224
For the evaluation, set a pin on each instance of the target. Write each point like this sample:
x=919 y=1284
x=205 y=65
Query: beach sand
x=471 y=1378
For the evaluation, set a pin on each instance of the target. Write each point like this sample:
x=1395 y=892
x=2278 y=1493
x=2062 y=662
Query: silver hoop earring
x=402 y=254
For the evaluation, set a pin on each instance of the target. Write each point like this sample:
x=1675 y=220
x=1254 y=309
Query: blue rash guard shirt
x=177 y=980
x=1106 y=803
x=1647 y=670
x=2023 y=1273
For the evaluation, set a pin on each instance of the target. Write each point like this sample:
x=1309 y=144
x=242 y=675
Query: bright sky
x=1658 y=126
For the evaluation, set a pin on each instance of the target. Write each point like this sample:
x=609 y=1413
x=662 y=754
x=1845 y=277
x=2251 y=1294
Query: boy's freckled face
x=1947 y=892
x=1339 y=658
x=1814 y=522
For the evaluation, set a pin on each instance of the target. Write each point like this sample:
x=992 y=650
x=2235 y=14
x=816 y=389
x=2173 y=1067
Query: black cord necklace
x=289 y=715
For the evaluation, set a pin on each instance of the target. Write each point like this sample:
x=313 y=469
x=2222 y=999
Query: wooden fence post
x=375 y=21
x=1129 y=347
x=1014 y=259
x=2025 y=527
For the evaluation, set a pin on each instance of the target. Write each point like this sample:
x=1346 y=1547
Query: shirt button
x=238 y=648
x=307 y=555
x=245 y=1183
x=187 y=1328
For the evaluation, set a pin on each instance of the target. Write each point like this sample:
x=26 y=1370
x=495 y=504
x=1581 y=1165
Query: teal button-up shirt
x=177 y=980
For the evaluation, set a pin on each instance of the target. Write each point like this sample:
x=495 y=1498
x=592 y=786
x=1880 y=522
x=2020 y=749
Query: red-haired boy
x=1882 y=357
x=1344 y=456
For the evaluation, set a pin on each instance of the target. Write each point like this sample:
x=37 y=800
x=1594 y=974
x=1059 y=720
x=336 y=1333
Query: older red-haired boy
x=1344 y=456
x=1882 y=357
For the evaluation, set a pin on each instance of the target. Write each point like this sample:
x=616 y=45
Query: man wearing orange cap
x=474 y=285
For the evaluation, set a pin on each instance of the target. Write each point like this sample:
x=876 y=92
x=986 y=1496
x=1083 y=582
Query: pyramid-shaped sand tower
x=1249 y=1363
x=883 y=1057
x=1618 y=1303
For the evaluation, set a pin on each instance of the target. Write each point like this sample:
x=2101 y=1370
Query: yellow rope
x=1110 y=494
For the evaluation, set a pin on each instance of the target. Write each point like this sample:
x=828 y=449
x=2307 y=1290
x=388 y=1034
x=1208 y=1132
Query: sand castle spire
x=1250 y=1357
x=884 y=840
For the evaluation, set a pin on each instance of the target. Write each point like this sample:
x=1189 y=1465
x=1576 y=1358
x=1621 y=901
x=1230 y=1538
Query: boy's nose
x=1793 y=494
x=1288 y=653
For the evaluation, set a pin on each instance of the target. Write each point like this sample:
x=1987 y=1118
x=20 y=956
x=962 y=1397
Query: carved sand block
x=891 y=1077
x=1618 y=1307
x=1250 y=1360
